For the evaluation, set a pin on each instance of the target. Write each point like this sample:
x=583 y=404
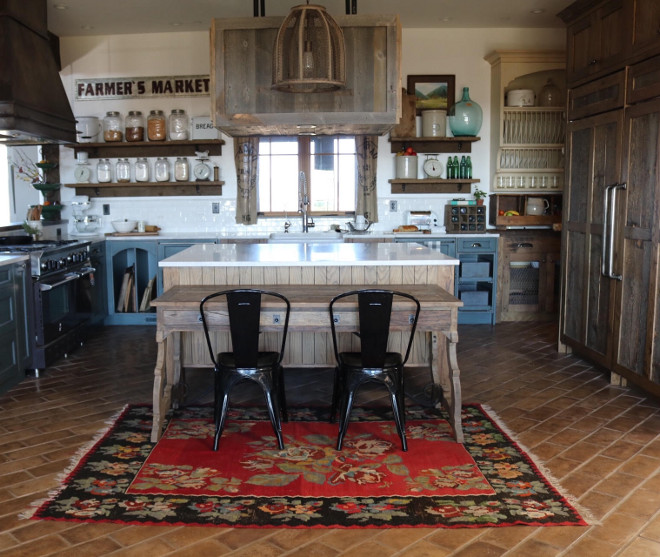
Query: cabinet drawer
x=597 y=96
x=476 y=245
x=644 y=80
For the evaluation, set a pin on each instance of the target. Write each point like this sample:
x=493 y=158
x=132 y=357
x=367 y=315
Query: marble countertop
x=304 y=254
x=213 y=237
x=11 y=259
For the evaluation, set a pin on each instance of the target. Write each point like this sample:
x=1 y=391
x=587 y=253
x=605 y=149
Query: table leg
x=159 y=409
x=446 y=374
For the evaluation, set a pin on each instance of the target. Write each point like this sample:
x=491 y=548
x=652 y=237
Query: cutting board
x=131 y=233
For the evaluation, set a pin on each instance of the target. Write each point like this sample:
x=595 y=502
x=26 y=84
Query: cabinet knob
x=525 y=245
x=593 y=61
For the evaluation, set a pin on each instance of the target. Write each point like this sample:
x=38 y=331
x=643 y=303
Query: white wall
x=424 y=51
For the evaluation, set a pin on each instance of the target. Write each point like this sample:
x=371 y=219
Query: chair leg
x=220 y=419
x=281 y=393
x=336 y=394
x=348 y=395
x=397 y=396
x=273 y=409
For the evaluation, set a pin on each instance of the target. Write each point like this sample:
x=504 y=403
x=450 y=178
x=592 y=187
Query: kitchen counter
x=261 y=236
x=11 y=259
x=307 y=255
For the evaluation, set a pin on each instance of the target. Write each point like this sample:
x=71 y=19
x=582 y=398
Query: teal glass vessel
x=465 y=117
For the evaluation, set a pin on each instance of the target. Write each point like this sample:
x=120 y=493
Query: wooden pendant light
x=309 y=53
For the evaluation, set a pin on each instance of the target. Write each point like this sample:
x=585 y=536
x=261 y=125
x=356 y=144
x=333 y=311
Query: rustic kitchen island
x=305 y=270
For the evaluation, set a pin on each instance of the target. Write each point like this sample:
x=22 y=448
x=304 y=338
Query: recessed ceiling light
x=446 y=19
x=60 y=6
x=537 y=11
x=87 y=27
x=176 y=24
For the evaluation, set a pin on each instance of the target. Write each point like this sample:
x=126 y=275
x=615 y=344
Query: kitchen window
x=329 y=167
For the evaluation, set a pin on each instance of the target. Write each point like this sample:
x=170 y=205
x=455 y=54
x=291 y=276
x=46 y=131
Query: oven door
x=62 y=303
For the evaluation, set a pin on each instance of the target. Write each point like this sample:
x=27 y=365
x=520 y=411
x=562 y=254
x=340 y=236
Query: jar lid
x=112 y=113
x=178 y=111
x=156 y=112
x=134 y=113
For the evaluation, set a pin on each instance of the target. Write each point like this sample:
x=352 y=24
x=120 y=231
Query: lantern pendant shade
x=309 y=54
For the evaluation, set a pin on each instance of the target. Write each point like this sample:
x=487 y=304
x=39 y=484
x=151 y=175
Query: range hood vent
x=34 y=108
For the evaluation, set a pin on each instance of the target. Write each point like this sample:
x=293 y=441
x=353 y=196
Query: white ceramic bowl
x=124 y=226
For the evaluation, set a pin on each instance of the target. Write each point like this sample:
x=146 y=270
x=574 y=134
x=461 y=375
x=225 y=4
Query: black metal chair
x=246 y=361
x=373 y=362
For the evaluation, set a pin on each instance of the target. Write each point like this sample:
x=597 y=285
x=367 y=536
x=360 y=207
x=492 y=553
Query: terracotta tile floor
x=601 y=441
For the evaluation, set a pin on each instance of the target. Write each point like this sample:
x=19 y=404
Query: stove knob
x=44 y=265
x=61 y=263
x=69 y=259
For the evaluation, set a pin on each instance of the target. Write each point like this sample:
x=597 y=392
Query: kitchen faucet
x=303 y=203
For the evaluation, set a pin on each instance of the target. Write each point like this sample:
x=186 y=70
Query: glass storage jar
x=103 y=171
x=112 y=127
x=141 y=170
x=123 y=170
x=181 y=169
x=178 y=125
x=134 y=126
x=156 y=126
x=162 y=170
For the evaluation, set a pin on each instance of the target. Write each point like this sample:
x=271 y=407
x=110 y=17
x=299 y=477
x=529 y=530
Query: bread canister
x=520 y=97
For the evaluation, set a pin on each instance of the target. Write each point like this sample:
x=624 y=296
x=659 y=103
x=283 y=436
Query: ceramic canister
x=434 y=123
x=520 y=97
x=87 y=129
x=406 y=166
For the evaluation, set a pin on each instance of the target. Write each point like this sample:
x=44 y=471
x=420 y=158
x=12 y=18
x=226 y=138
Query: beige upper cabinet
x=244 y=103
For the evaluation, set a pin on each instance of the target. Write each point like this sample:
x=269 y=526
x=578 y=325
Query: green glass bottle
x=468 y=166
x=462 y=174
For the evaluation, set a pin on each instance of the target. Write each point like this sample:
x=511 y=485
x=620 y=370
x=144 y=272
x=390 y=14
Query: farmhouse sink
x=330 y=237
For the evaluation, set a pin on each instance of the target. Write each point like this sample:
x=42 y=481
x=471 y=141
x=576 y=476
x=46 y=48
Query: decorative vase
x=465 y=116
x=550 y=95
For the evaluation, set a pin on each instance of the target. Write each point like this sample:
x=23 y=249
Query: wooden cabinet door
x=597 y=42
x=646 y=27
x=593 y=163
x=637 y=337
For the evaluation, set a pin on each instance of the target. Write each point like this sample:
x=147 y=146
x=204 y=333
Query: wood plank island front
x=305 y=264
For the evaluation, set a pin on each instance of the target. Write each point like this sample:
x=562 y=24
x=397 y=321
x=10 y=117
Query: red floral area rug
x=371 y=483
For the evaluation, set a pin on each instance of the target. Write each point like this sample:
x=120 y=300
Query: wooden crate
x=465 y=219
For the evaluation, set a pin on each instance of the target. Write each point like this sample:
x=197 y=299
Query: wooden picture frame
x=439 y=87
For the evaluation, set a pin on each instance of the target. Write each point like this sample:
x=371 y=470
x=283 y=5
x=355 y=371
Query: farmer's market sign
x=138 y=87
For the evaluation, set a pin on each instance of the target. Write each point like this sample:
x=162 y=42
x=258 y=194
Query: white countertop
x=304 y=254
x=10 y=259
x=213 y=237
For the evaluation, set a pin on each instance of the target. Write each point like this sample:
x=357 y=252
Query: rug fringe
x=75 y=461
x=586 y=514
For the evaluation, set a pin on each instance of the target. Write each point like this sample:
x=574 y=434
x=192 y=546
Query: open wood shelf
x=146 y=189
x=149 y=148
x=406 y=185
x=461 y=144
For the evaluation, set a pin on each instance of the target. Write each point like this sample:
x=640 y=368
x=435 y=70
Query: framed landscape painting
x=432 y=91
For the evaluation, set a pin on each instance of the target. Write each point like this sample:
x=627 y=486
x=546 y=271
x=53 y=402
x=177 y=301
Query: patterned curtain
x=246 y=150
x=366 y=147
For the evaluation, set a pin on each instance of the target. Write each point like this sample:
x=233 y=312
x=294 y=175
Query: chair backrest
x=374 y=311
x=244 y=312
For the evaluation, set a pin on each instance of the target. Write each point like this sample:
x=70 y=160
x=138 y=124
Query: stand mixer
x=84 y=224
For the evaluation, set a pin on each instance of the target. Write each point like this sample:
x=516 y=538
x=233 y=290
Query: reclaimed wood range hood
x=245 y=103
x=34 y=108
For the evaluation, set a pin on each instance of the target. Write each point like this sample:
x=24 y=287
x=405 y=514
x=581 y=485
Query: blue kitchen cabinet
x=14 y=326
x=100 y=299
x=475 y=282
x=132 y=271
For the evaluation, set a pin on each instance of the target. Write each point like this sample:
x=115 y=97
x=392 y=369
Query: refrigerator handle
x=606 y=228
x=610 y=255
